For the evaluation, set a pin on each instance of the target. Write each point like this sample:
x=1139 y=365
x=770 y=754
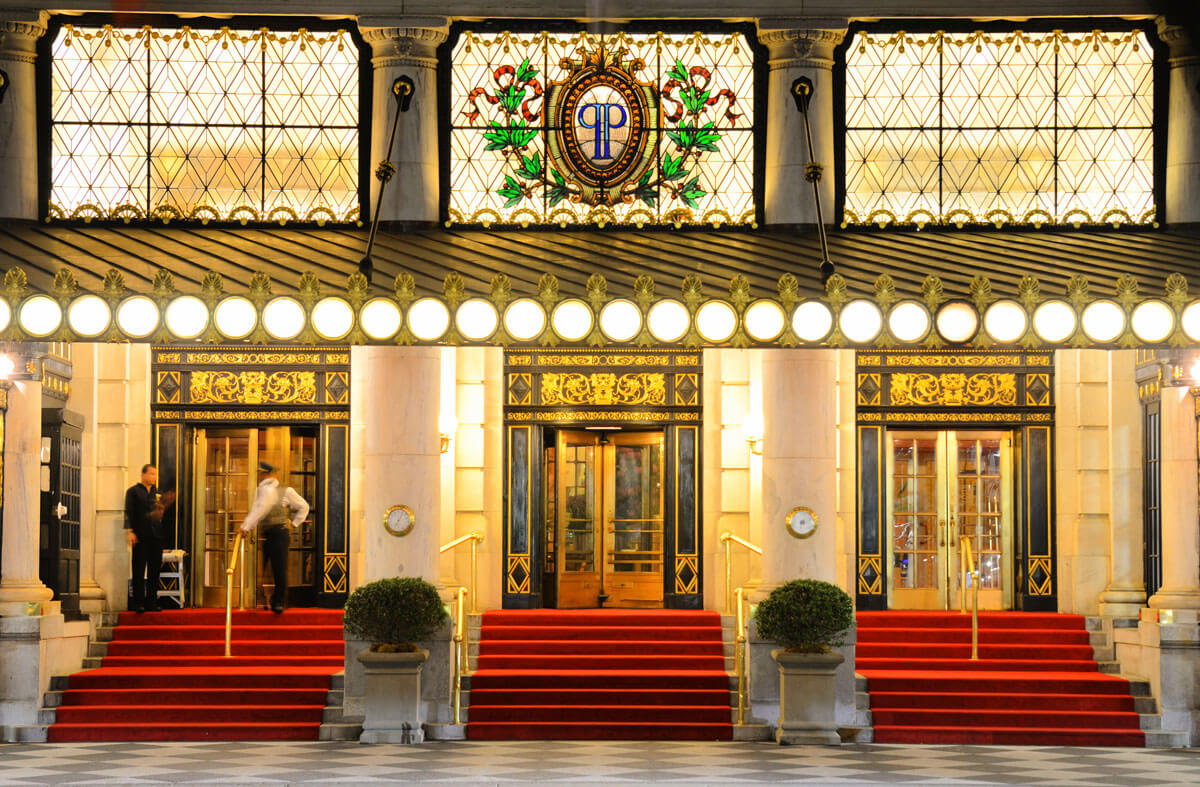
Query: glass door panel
x=579 y=583
x=944 y=487
x=225 y=462
x=633 y=540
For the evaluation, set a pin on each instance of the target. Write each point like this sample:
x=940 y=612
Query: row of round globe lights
x=861 y=321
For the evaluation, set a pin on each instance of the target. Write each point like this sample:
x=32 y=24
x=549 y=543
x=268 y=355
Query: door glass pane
x=226 y=500
x=979 y=507
x=579 y=529
x=914 y=513
x=637 y=520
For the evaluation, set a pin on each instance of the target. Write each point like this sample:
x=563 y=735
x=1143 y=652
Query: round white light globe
x=477 y=319
x=332 y=318
x=137 y=317
x=1103 y=321
x=620 y=320
x=428 y=319
x=186 y=316
x=812 y=321
x=39 y=316
x=1054 y=321
x=1152 y=321
x=764 y=320
x=860 y=321
x=1005 y=321
x=283 y=318
x=89 y=316
x=380 y=318
x=909 y=321
x=716 y=321
x=572 y=320
x=524 y=319
x=668 y=321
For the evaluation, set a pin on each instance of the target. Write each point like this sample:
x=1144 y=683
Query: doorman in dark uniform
x=270 y=512
x=144 y=507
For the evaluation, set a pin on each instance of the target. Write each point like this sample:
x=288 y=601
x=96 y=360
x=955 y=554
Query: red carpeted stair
x=600 y=674
x=1035 y=682
x=166 y=678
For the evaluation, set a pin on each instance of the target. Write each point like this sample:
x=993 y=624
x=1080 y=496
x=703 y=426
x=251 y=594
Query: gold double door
x=946 y=487
x=609 y=505
x=226 y=476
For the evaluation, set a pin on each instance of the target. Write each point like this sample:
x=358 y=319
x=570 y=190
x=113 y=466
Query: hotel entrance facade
x=611 y=306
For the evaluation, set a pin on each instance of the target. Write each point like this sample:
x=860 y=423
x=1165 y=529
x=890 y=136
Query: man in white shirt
x=270 y=511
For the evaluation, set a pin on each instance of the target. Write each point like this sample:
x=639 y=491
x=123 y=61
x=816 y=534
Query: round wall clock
x=398 y=520
x=801 y=522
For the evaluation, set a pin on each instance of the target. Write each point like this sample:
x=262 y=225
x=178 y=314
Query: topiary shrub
x=394 y=613
x=805 y=615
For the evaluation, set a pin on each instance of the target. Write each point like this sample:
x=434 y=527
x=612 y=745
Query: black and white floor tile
x=590 y=763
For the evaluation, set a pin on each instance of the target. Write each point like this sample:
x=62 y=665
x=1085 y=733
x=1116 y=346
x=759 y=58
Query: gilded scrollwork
x=252 y=387
x=573 y=388
x=953 y=390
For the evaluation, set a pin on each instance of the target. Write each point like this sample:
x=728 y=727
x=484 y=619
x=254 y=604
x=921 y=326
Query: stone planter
x=393 y=697
x=807 y=697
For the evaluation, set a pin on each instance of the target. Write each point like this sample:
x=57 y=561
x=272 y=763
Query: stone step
x=1150 y=721
x=345 y=731
x=335 y=697
x=97 y=650
x=91 y=662
x=1167 y=739
x=31 y=733
x=59 y=682
x=104 y=634
x=1110 y=667
x=1145 y=705
x=47 y=716
x=1099 y=639
x=337 y=681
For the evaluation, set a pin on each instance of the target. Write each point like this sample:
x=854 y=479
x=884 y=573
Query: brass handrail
x=239 y=550
x=458 y=654
x=967 y=560
x=729 y=539
x=739 y=657
x=475 y=537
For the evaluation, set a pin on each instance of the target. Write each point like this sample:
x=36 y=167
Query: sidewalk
x=587 y=762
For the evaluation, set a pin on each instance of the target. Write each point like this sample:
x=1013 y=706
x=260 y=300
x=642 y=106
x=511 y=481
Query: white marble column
x=1183 y=126
x=1180 y=510
x=406 y=46
x=19 y=581
x=799 y=463
x=1126 y=590
x=799 y=48
x=19 y=32
x=402 y=390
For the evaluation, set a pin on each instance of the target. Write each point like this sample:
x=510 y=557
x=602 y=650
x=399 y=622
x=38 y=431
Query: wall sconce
x=446 y=426
x=752 y=427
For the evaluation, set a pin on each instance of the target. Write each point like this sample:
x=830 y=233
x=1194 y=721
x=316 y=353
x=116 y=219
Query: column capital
x=19 y=32
x=404 y=40
x=801 y=42
x=1180 y=44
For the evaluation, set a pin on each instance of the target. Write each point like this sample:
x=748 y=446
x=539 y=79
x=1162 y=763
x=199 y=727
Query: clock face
x=801 y=522
x=398 y=520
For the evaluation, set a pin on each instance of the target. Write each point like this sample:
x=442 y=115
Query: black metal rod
x=403 y=89
x=802 y=91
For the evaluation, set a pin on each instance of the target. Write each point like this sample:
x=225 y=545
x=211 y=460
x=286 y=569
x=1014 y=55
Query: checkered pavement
x=592 y=763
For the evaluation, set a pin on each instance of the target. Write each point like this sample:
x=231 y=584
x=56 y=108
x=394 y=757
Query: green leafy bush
x=394 y=613
x=805 y=615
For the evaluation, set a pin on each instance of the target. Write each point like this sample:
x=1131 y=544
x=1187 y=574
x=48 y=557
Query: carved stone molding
x=1182 y=47
x=411 y=42
x=19 y=33
x=808 y=44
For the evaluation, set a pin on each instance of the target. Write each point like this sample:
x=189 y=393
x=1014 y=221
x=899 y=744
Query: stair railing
x=458 y=654
x=238 y=551
x=475 y=537
x=729 y=539
x=739 y=657
x=967 y=561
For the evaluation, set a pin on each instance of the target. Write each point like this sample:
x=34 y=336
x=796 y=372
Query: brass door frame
x=213 y=595
x=949 y=571
x=585 y=589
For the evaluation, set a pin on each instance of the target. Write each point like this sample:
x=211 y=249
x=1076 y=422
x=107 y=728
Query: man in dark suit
x=143 y=526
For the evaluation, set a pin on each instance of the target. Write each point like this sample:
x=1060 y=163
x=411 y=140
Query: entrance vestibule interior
x=604 y=514
x=943 y=487
x=226 y=476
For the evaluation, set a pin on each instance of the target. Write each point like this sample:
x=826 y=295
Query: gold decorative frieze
x=1037 y=389
x=167 y=389
x=958 y=417
x=520 y=388
x=251 y=359
x=869 y=389
x=253 y=388
x=571 y=416
x=687 y=389
x=573 y=388
x=337 y=388
x=953 y=390
x=956 y=359
x=255 y=415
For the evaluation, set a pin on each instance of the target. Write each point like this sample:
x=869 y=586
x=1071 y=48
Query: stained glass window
x=1027 y=128
x=579 y=128
x=204 y=124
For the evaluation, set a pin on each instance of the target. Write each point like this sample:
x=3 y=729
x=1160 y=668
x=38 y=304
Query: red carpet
x=600 y=675
x=1035 y=682
x=165 y=678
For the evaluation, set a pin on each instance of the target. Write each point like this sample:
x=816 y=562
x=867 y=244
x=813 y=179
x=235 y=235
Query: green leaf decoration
x=497 y=137
x=525 y=71
x=707 y=137
x=691 y=192
x=672 y=168
x=647 y=194
x=531 y=167
x=678 y=71
x=510 y=98
x=511 y=191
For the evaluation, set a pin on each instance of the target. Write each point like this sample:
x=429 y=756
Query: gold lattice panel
x=517 y=576
x=204 y=124
x=1027 y=128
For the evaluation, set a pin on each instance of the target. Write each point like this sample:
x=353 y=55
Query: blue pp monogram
x=602 y=121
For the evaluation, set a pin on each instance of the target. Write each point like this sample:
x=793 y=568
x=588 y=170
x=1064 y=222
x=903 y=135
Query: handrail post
x=962 y=581
x=739 y=655
x=458 y=656
x=242 y=559
x=238 y=549
x=974 y=616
